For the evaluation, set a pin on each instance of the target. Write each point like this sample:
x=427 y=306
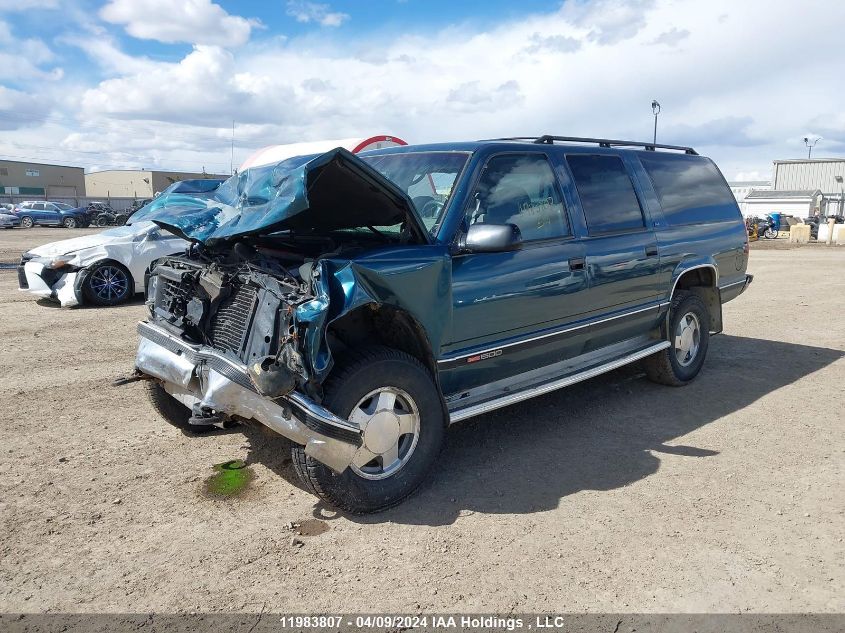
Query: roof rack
x=548 y=139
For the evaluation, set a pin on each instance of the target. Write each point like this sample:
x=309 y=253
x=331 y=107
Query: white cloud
x=23 y=59
x=192 y=21
x=20 y=110
x=743 y=96
x=303 y=11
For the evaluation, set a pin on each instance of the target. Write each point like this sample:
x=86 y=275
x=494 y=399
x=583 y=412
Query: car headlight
x=60 y=262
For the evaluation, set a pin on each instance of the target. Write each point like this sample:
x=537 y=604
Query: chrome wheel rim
x=70 y=223
x=687 y=339
x=109 y=283
x=26 y=222
x=390 y=428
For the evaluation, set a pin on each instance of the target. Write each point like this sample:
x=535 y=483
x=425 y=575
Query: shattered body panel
x=337 y=189
x=58 y=269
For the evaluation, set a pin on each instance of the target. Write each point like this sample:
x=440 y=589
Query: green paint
x=230 y=479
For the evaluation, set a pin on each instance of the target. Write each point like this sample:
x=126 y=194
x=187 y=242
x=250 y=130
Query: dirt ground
x=613 y=495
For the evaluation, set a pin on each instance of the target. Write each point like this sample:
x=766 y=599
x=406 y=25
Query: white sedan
x=103 y=269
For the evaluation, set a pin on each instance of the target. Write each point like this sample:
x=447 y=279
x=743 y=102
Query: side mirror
x=491 y=238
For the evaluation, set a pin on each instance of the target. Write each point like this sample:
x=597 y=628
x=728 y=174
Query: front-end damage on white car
x=59 y=271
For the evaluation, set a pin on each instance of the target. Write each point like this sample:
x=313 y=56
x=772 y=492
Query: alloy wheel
x=109 y=283
x=390 y=423
x=687 y=339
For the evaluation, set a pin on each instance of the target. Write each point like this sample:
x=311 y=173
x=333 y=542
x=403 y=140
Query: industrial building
x=135 y=183
x=824 y=174
x=40 y=180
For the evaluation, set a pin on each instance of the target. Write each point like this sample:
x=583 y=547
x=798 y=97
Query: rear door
x=622 y=258
x=38 y=213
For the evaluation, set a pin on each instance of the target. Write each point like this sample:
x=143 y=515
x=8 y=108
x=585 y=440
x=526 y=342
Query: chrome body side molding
x=512 y=398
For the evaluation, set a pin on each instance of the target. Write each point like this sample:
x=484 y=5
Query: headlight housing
x=60 y=262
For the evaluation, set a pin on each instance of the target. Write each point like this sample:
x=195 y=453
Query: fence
x=118 y=204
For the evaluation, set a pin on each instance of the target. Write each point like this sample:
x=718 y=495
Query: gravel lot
x=613 y=495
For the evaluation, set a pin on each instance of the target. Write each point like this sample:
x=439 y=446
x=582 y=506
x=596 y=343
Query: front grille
x=230 y=325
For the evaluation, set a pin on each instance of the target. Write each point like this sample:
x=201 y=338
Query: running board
x=539 y=390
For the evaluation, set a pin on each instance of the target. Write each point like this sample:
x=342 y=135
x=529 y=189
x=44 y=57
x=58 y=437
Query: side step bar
x=512 y=398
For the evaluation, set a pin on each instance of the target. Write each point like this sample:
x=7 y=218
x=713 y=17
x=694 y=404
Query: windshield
x=427 y=178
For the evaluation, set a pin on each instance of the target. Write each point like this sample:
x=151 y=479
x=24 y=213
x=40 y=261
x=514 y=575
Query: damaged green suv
x=359 y=304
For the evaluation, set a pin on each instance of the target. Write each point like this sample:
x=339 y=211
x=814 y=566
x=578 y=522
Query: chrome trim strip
x=656 y=306
x=686 y=270
x=513 y=398
x=735 y=283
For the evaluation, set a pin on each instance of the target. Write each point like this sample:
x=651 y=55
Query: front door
x=505 y=305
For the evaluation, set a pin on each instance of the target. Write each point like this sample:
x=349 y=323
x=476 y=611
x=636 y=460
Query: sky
x=158 y=84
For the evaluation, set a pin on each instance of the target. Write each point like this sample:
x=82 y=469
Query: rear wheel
x=107 y=284
x=393 y=399
x=27 y=222
x=689 y=337
x=103 y=220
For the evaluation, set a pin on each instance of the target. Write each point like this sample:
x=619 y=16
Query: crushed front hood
x=309 y=194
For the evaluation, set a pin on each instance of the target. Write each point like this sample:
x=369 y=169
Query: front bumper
x=195 y=374
x=35 y=278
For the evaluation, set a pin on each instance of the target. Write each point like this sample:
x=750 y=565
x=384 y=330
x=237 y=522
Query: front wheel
x=107 y=284
x=27 y=222
x=689 y=337
x=770 y=234
x=69 y=223
x=393 y=399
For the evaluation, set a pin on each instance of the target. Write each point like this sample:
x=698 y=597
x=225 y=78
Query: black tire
x=70 y=223
x=27 y=222
x=770 y=234
x=356 y=376
x=98 y=290
x=172 y=410
x=665 y=367
x=103 y=220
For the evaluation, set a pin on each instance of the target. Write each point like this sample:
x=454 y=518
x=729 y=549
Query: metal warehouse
x=135 y=183
x=22 y=178
x=825 y=174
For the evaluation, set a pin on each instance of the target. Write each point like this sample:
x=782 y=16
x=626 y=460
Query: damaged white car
x=103 y=269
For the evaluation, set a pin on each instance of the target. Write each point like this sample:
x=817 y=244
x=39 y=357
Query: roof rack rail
x=548 y=139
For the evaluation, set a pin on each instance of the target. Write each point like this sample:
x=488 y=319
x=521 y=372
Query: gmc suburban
x=359 y=304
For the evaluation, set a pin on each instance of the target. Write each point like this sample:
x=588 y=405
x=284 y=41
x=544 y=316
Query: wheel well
x=384 y=325
x=702 y=282
x=114 y=262
x=390 y=326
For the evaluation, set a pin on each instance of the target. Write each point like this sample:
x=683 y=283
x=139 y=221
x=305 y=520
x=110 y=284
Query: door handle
x=651 y=251
x=577 y=263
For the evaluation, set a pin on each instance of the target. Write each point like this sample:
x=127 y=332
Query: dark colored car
x=320 y=300
x=46 y=213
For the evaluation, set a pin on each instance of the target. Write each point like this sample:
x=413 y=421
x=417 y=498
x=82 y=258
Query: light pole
x=655 y=108
x=810 y=145
x=839 y=179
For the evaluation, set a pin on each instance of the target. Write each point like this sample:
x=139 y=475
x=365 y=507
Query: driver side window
x=520 y=189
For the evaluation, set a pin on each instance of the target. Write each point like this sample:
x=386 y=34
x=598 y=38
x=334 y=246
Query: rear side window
x=607 y=194
x=690 y=188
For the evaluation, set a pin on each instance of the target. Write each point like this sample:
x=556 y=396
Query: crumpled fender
x=415 y=280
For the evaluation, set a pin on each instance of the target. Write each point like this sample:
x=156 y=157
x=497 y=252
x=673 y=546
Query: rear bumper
x=733 y=290
x=195 y=374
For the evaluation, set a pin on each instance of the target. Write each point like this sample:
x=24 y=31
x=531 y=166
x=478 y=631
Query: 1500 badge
x=484 y=356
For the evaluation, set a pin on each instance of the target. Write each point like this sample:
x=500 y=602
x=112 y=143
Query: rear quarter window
x=690 y=188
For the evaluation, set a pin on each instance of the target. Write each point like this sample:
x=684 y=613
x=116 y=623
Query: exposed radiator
x=230 y=326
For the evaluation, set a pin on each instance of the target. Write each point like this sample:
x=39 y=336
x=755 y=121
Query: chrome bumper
x=195 y=374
